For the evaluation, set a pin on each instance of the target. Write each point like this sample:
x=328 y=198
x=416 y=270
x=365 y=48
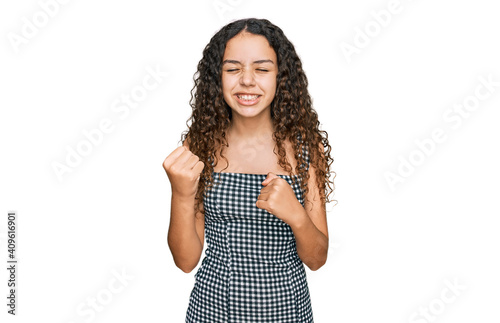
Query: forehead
x=249 y=47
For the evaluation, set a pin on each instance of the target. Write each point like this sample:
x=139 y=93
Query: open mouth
x=247 y=97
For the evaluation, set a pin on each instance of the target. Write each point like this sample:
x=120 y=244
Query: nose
x=247 y=77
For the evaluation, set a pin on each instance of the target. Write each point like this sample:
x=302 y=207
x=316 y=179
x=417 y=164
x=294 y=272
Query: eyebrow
x=231 y=61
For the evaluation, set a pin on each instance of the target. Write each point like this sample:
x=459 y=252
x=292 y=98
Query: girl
x=253 y=175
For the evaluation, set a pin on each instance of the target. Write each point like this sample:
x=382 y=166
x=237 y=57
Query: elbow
x=316 y=266
x=186 y=269
x=185 y=266
x=317 y=263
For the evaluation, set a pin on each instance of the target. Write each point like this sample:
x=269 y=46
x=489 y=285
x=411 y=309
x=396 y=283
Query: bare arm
x=311 y=235
x=186 y=232
x=307 y=222
x=311 y=230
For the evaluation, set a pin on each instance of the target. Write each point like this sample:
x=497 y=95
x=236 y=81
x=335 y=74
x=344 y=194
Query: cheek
x=226 y=87
x=271 y=87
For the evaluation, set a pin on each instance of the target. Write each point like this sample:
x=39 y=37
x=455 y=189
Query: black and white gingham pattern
x=251 y=271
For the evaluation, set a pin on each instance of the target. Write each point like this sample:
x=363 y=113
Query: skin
x=249 y=66
x=185 y=232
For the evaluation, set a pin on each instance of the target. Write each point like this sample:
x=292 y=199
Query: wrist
x=179 y=196
x=301 y=219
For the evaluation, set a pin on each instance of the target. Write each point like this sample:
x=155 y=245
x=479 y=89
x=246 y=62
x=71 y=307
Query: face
x=249 y=73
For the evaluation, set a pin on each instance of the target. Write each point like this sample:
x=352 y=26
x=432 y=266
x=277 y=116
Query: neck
x=251 y=128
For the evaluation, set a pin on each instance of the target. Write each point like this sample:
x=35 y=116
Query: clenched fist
x=183 y=170
x=278 y=198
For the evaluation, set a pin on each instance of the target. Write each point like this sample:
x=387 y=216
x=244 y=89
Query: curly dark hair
x=291 y=110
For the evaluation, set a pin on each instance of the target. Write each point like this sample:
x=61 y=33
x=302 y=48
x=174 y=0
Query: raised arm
x=186 y=231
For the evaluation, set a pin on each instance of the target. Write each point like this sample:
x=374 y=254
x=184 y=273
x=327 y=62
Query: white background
x=393 y=249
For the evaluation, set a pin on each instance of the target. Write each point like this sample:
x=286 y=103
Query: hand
x=278 y=198
x=183 y=170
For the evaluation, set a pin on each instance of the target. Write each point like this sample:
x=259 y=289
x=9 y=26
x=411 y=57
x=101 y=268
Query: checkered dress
x=251 y=271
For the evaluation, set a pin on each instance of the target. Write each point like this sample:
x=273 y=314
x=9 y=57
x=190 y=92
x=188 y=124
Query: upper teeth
x=248 y=97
